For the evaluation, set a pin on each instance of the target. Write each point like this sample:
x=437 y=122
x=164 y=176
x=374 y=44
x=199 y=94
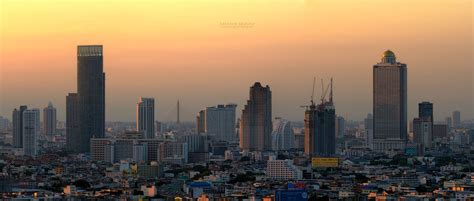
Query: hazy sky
x=184 y=49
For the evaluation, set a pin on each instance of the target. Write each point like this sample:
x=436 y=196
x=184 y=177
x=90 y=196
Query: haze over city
x=211 y=52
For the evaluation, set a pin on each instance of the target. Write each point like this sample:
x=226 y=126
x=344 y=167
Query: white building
x=422 y=132
x=283 y=137
x=31 y=130
x=146 y=117
x=49 y=120
x=219 y=122
x=283 y=170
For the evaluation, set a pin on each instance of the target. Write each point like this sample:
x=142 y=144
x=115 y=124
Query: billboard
x=324 y=162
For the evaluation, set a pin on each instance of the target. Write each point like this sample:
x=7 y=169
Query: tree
x=81 y=183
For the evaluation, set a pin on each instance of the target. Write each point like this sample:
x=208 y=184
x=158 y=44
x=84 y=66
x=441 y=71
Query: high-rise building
x=340 y=126
x=369 y=130
x=17 y=121
x=173 y=153
x=440 y=131
x=49 y=119
x=146 y=117
x=456 y=119
x=256 y=122
x=449 y=123
x=390 y=102
x=218 y=122
x=423 y=132
x=283 y=137
x=320 y=128
x=90 y=95
x=425 y=111
x=31 y=130
x=73 y=136
x=4 y=123
x=198 y=147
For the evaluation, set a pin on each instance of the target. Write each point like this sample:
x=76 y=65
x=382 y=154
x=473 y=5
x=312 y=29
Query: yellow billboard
x=324 y=162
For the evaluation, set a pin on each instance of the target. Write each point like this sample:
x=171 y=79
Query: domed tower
x=389 y=103
x=389 y=57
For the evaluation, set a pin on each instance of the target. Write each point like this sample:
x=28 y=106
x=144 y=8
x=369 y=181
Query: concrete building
x=218 y=122
x=173 y=153
x=369 y=130
x=283 y=137
x=422 y=132
x=116 y=149
x=4 y=124
x=72 y=124
x=198 y=148
x=31 y=131
x=456 y=119
x=256 y=122
x=90 y=95
x=440 y=131
x=49 y=120
x=340 y=127
x=390 y=99
x=17 y=121
x=283 y=170
x=146 y=117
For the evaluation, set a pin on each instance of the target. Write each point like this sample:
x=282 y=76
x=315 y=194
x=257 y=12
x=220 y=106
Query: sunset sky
x=184 y=49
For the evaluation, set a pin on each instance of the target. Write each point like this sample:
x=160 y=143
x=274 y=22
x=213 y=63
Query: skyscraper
x=90 y=94
x=320 y=128
x=456 y=119
x=449 y=123
x=218 y=122
x=283 y=137
x=49 y=119
x=390 y=103
x=73 y=136
x=256 y=122
x=17 y=121
x=146 y=117
x=31 y=131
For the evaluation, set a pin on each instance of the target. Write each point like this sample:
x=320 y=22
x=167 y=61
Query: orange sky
x=180 y=49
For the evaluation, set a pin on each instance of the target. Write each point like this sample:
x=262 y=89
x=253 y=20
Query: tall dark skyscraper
x=256 y=123
x=390 y=103
x=146 y=117
x=17 y=121
x=320 y=128
x=72 y=124
x=90 y=94
x=49 y=120
x=425 y=111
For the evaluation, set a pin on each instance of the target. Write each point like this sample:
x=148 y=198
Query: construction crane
x=312 y=96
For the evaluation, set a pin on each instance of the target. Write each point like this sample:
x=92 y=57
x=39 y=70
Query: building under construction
x=320 y=126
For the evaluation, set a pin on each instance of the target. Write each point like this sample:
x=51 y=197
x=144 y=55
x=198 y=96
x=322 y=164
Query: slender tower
x=146 y=117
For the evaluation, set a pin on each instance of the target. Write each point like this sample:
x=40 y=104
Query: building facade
x=218 y=122
x=31 y=131
x=146 y=117
x=256 y=122
x=17 y=121
x=283 y=137
x=73 y=135
x=283 y=170
x=49 y=120
x=390 y=99
x=423 y=132
x=456 y=119
x=90 y=95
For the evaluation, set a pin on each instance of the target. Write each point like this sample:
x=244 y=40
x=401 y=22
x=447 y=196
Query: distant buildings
x=449 y=123
x=17 y=120
x=440 y=131
x=173 y=153
x=49 y=120
x=390 y=103
x=31 y=130
x=132 y=148
x=73 y=136
x=198 y=147
x=4 y=123
x=283 y=137
x=369 y=130
x=283 y=170
x=456 y=119
x=218 y=122
x=422 y=132
x=340 y=127
x=146 y=117
x=423 y=125
x=256 y=122
x=320 y=128
x=90 y=95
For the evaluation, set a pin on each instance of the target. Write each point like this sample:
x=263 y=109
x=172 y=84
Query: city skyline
x=286 y=62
